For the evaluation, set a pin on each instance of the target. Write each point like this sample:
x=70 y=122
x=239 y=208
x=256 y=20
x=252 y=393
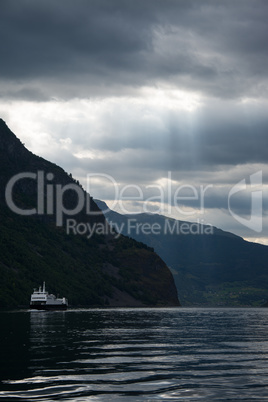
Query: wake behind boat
x=42 y=300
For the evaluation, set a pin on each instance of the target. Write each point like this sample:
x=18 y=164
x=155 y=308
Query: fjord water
x=188 y=354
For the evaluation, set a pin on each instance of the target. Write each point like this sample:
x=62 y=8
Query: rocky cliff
x=40 y=239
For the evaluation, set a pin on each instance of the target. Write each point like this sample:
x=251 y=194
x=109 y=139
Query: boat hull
x=48 y=307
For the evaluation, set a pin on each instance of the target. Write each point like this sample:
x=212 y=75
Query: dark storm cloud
x=46 y=38
x=77 y=48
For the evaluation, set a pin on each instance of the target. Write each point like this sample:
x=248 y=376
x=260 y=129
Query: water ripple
x=138 y=355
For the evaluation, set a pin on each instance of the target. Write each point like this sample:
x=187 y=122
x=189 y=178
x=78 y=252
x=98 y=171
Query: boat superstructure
x=42 y=300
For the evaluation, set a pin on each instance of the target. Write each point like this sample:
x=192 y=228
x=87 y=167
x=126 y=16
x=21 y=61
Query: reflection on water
x=134 y=354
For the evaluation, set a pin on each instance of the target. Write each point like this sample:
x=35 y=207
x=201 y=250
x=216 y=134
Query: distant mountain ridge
x=35 y=245
x=211 y=267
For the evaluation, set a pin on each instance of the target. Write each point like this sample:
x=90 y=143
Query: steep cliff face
x=41 y=208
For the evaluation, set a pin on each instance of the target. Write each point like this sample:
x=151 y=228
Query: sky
x=153 y=105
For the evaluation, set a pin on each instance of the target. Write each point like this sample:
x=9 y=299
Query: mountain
x=51 y=230
x=211 y=267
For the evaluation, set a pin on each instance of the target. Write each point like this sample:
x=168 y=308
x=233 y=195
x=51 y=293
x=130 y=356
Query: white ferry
x=42 y=300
